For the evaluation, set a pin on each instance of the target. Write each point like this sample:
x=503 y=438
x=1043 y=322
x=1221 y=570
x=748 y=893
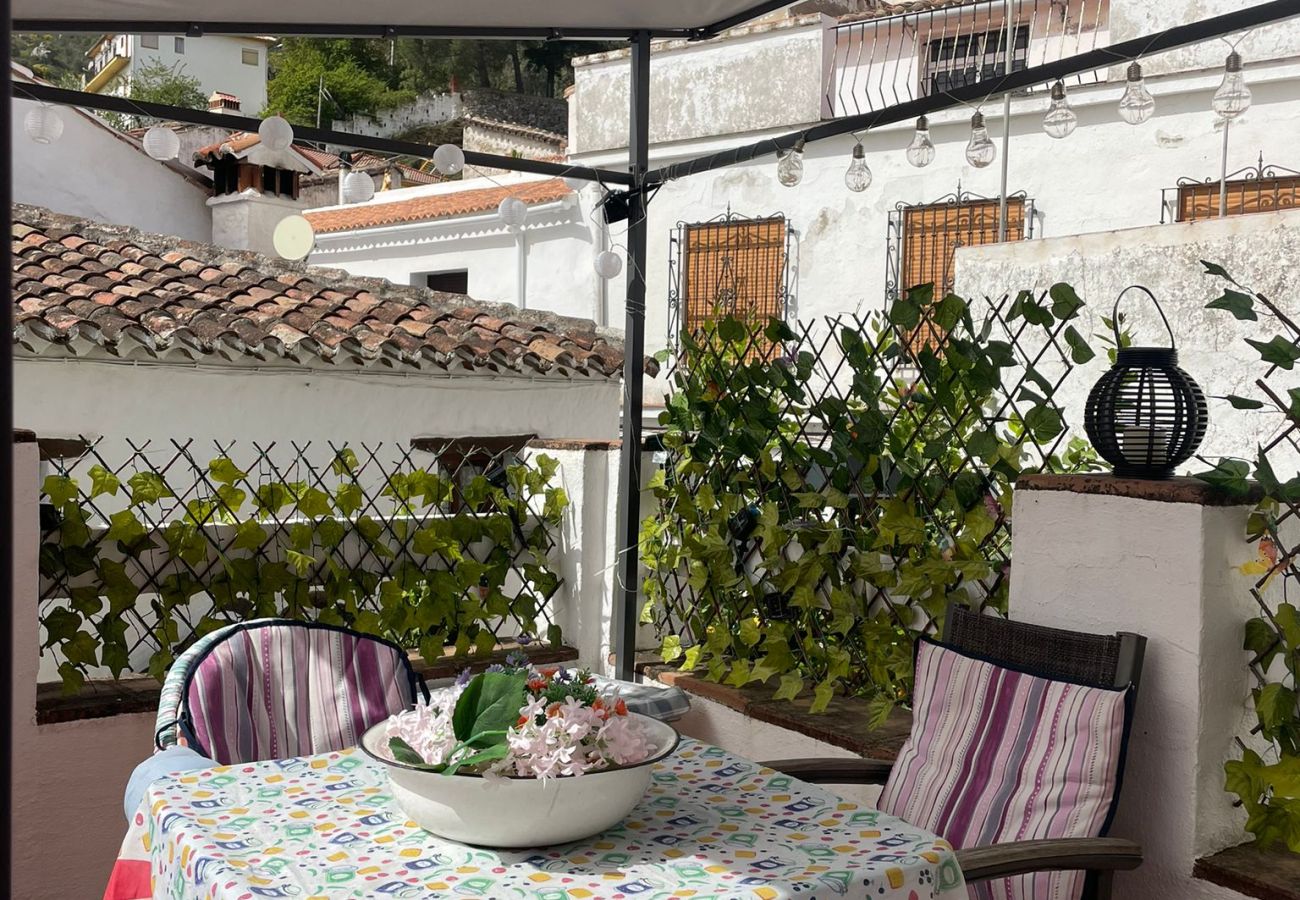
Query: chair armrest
x=833 y=771
x=1059 y=855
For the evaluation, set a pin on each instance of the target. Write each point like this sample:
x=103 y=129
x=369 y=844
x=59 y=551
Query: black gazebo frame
x=635 y=186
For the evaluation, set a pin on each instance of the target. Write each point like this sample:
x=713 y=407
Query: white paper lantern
x=608 y=264
x=162 y=143
x=449 y=159
x=43 y=124
x=358 y=187
x=294 y=237
x=513 y=212
x=276 y=133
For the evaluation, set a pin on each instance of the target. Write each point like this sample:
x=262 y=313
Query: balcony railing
x=1258 y=188
x=883 y=61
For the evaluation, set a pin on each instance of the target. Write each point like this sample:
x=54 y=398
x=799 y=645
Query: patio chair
x=275 y=688
x=1036 y=659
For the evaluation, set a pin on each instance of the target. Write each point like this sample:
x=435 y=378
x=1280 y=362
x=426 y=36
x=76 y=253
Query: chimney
x=221 y=102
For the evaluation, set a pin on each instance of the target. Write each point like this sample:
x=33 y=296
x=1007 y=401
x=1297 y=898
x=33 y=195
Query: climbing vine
x=141 y=557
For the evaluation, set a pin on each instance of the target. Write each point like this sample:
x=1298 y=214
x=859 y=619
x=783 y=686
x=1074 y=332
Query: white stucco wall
x=247 y=220
x=96 y=173
x=216 y=61
x=1259 y=250
x=1167 y=571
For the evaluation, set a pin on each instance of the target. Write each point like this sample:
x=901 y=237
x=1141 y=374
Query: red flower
x=620 y=708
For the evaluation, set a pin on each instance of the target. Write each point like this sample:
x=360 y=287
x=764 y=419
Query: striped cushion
x=996 y=755
x=281 y=690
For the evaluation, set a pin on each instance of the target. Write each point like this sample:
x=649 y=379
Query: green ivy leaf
x=1231 y=475
x=270 y=498
x=671 y=649
x=1216 y=269
x=125 y=527
x=103 y=482
x=60 y=489
x=1242 y=306
x=249 y=536
x=789 y=687
x=345 y=462
x=348 y=498
x=1065 y=302
x=223 y=471
x=147 y=487
x=822 y=696
x=1044 y=423
x=1243 y=402
x=1080 y=351
x=314 y=503
x=301 y=563
x=1277 y=352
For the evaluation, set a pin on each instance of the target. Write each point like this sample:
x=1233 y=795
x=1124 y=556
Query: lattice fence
x=815 y=514
x=146 y=546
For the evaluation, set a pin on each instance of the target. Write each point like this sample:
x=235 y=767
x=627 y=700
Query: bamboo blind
x=1245 y=196
x=737 y=268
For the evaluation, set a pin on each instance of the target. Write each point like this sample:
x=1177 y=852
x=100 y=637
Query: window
x=180 y=45
x=734 y=267
x=248 y=57
x=953 y=62
x=448 y=282
x=149 y=41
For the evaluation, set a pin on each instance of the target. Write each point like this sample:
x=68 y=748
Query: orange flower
x=620 y=708
x=553 y=710
x=549 y=673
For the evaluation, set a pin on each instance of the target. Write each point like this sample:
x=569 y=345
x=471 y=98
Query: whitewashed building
x=221 y=64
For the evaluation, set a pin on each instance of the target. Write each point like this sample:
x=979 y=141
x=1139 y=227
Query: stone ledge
x=1272 y=874
x=843 y=724
x=1179 y=489
x=139 y=693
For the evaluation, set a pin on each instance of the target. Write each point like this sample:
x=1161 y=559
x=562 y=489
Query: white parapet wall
x=1099 y=554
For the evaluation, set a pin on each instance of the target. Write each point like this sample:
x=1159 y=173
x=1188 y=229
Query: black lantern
x=1145 y=416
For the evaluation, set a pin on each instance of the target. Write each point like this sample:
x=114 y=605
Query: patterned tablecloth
x=712 y=825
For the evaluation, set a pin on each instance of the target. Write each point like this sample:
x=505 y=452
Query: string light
x=1060 y=120
x=789 y=169
x=608 y=264
x=276 y=133
x=1233 y=97
x=448 y=159
x=358 y=187
x=513 y=212
x=920 y=152
x=980 y=150
x=1137 y=104
x=858 y=177
x=43 y=124
x=161 y=143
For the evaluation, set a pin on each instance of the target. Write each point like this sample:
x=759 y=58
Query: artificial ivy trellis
x=428 y=561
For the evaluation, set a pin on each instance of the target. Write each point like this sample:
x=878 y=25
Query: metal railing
x=1257 y=188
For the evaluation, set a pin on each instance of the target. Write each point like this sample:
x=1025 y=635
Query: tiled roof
x=434 y=206
x=82 y=287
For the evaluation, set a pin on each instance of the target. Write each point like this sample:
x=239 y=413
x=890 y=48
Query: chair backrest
x=275 y=688
x=1097 y=660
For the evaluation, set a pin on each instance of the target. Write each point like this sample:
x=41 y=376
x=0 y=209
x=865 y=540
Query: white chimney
x=221 y=102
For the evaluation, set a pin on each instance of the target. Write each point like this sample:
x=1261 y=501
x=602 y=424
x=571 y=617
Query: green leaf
x=822 y=696
x=490 y=703
x=125 y=527
x=147 y=487
x=1080 y=352
x=1044 y=423
x=345 y=462
x=59 y=489
x=1242 y=306
x=1065 y=302
x=1216 y=269
x=1243 y=402
x=1231 y=475
x=348 y=498
x=1275 y=704
x=270 y=498
x=491 y=753
x=314 y=503
x=406 y=754
x=1278 y=352
x=672 y=648
x=790 y=686
x=223 y=471
x=300 y=562
x=249 y=536
x=102 y=482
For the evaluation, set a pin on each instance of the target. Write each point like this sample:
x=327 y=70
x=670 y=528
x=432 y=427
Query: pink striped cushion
x=996 y=755
x=281 y=690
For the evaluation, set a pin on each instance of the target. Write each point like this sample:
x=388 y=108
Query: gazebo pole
x=627 y=562
x=7 y=599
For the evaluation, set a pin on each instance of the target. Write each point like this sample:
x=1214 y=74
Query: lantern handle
x=1114 y=315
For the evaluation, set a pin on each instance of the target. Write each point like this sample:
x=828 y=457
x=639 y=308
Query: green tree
x=156 y=82
x=58 y=58
x=332 y=78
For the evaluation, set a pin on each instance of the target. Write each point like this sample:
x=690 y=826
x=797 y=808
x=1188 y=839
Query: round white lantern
x=448 y=159
x=43 y=124
x=608 y=264
x=276 y=133
x=358 y=187
x=162 y=143
x=513 y=212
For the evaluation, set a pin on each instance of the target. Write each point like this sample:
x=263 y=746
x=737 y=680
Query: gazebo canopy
x=557 y=18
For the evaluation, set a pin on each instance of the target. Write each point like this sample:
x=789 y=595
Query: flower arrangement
x=515 y=720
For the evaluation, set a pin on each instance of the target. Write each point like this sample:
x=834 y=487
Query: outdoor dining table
x=711 y=825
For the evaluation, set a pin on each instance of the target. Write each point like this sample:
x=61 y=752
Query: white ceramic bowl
x=521 y=812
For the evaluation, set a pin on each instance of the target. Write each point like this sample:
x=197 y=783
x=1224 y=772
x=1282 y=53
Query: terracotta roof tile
x=81 y=284
x=434 y=206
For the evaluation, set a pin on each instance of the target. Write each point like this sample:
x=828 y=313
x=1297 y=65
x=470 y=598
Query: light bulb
x=981 y=150
x=1137 y=104
x=161 y=143
x=448 y=159
x=858 y=177
x=1060 y=120
x=513 y=212
x=789 y=170
x=608 y=264
x=43 y=124
x=358 y=187
x=1233 y=97
x=920 y=152
x=276 y=133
